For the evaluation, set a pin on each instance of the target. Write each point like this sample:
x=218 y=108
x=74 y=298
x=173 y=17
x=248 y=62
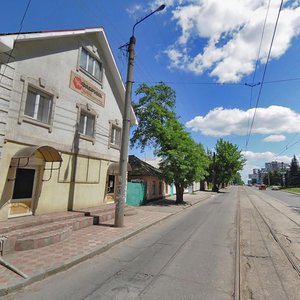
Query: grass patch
x=294 y=190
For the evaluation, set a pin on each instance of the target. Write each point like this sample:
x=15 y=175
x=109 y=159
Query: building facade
x=155 y=187
x=61 y=107
x=275 y=166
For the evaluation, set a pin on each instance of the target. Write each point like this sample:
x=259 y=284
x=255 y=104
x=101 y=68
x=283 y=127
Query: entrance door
x=110 y=185
x=23 y=192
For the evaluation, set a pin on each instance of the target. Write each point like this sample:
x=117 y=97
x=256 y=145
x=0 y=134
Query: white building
x=276 y=166
x=61 y=106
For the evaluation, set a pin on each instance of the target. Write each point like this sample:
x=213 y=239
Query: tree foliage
x=154 y=109
x=226 y=162
x=182 y=160
x=273 y=178
x=293 y=179
x=237 y=179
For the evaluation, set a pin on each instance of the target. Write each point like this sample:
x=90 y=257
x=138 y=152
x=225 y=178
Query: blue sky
x=206 y=50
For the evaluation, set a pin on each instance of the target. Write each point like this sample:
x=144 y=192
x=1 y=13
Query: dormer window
x=90 y=64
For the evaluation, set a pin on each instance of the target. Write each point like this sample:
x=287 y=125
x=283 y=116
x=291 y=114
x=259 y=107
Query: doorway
x=23 y=192
x=110 y=188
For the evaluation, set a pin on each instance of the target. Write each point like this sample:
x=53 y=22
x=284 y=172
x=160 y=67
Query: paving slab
x=37 y=264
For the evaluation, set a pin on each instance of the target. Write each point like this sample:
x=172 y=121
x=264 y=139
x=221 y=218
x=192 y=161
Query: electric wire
x=117 y=35
x=195 y=83
x=12 y=50
x=222 y=84
x=264 y=72
x=287 y=147
x=254 y=74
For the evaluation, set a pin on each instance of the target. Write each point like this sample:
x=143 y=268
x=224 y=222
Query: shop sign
x=85 y=88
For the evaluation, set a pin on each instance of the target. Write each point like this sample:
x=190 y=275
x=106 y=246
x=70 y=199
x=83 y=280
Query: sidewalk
x=39 y=263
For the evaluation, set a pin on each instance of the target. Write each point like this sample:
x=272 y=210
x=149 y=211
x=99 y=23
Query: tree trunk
x=179 y=193
x=215 y=188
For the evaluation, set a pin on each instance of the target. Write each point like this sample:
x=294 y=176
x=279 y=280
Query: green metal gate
x=135 y=193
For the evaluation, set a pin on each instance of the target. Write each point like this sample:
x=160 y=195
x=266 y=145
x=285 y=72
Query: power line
x=282 y=80
x=254 y=74
x=287 y=147
x=223 y=84
x=264 y=72
x=193 y=83
x=12 y=50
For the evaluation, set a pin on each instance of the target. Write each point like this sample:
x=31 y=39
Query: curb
x=294 y=193
x=12 y=288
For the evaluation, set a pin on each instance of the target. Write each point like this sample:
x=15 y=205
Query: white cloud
x=169 y=3
x=267 y=156
x=257 y=160
x=275 y=138
x=232 y=31
x=135 y=11
x=223 y=122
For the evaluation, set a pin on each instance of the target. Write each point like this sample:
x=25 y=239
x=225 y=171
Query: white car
x=275 y=187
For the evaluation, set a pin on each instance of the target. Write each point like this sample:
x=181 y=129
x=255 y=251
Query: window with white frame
x=86 y=124
x=115 y=136
x=90 y=64
x=38 y=105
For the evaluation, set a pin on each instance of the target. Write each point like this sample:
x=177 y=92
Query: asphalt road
x=269 y=243
x=188 y=256
x=292 y=200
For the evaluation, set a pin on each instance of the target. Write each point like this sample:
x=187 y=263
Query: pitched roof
x=8 y=40
x=141 y=168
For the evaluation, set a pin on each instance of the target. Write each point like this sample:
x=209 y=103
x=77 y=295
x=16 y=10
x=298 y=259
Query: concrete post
x=122 y=183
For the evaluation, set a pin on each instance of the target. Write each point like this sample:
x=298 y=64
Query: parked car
x=262 y=187
x=275 y=188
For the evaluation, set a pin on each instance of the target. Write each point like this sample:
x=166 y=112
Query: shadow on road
x=296 y=209
x=164 y=202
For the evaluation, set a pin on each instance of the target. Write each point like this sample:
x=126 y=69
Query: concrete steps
x=24 y=222
x=34 y=232
x=101 y=215
x=43 y=239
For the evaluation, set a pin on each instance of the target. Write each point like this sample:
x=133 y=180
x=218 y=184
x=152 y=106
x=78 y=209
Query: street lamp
x=122 y=182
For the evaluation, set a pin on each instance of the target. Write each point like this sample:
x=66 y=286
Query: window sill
x=87 y=138
x=117 y=147
x=37 y=123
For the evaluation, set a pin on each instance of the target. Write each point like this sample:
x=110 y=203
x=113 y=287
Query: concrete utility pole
x=214 y=186
x=122 y=182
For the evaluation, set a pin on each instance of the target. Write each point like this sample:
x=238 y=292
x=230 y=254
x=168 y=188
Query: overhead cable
x=264 y=72
x=12 y=50
x=254 y=74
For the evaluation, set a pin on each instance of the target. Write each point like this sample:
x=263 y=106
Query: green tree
x=182 y=160
x=293 y=174
x=154 y=109
x=275 y=177
x=227 y=162
x=237 y=179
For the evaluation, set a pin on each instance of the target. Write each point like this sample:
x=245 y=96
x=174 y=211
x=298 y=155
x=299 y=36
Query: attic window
x=90 y=64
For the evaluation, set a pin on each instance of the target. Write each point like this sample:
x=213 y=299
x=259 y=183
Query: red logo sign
x=87 y=89
x=77 y=83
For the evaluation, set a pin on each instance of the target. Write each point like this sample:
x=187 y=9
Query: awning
x=113 y=168
x=48 y=153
